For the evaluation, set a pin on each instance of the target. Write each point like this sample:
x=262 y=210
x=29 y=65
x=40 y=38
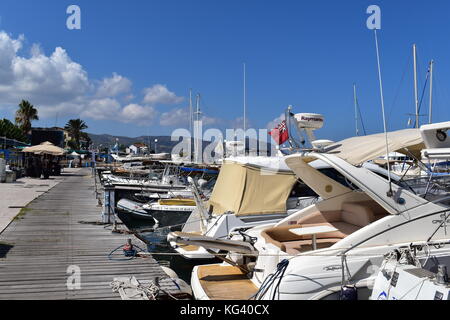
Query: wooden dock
x=53 y=234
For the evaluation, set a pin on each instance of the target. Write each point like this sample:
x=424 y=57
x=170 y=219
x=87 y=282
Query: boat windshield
x=210 y=184
x=435 y=188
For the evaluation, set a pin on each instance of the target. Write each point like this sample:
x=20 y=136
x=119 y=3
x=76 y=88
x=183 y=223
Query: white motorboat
x=249 y=191
x=340 y=241
x=170 y=180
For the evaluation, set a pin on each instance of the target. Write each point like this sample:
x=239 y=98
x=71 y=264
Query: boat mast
x=356 y=109
x=431 y=92
x=416 y=98
x=197 y=133
x=245 y=105
x=197 y=112
x=389 y=193
x=190 y=111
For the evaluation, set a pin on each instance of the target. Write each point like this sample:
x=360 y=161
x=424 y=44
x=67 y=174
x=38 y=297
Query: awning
x=45 y=148
x=357 y=150
x=248 y=190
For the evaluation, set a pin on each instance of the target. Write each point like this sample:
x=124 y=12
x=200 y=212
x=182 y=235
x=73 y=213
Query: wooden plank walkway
x=36 y=250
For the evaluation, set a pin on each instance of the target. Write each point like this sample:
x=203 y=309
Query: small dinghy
x=170 y=212
x=135 y=209
x=164 y=212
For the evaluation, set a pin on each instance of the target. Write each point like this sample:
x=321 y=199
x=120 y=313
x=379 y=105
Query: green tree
x=26 y=114
x=75 y=129
x=11 y=131
x=86 y=141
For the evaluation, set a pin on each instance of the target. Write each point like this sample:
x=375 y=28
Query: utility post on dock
x=108 y=211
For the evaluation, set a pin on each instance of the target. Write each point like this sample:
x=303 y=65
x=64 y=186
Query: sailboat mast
x=355 y=100
x=431 y=92
x=197 y=112
x=389 y=193
x=416 y=96
x=197 y=133
x=190 y=111
x=245 y=106
x=245 y=97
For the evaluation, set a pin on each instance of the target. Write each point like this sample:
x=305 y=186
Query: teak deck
x=225 y=283
x=37 y=248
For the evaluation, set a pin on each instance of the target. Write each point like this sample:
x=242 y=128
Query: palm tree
x=11 y=131
x=75 y=129
x=25 y=115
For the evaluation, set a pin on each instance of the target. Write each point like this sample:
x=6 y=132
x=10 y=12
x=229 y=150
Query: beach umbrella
x=45 y=148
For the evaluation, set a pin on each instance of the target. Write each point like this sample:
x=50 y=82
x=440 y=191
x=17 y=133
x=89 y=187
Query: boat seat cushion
x=296 y=247
x=282 y=237
x=321 y=217
x=350 y=219
x=357 y=213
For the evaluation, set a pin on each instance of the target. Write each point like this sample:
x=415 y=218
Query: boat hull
x=161 y=215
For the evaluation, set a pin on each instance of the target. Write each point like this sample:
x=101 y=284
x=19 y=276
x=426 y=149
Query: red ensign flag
x=280 y=134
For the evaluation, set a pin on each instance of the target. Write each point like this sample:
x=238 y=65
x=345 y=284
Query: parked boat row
x=333 y=248
x=328 y=222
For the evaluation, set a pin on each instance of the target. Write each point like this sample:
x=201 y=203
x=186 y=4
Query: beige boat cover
x=248 y=190
x=45 y=148
x=357 y=150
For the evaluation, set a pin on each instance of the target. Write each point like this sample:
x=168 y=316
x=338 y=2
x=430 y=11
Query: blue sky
x=301 y=53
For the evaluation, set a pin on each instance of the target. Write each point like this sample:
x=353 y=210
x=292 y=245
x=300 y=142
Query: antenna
x=355 y=100
x=416 y=97
x=431 y=92
x=389 y=193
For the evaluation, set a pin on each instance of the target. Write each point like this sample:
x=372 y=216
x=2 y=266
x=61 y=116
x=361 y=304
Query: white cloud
x=180 y=117
x=114 y=86
x=238 y=123
x=58 y=86
x=135 y=113
x=159 y=94
x=275 y=122
x=49 y=82
x=207 y=121
x=8 y=50
x=177 y=117
x=102 y=109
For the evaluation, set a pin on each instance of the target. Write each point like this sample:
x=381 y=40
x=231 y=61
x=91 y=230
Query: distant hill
x=164 y=142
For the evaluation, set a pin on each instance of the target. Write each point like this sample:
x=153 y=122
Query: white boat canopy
x=357 y=150
x=245 y=189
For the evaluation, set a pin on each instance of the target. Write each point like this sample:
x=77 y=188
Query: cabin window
x=300 y=189
x=336 y=176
